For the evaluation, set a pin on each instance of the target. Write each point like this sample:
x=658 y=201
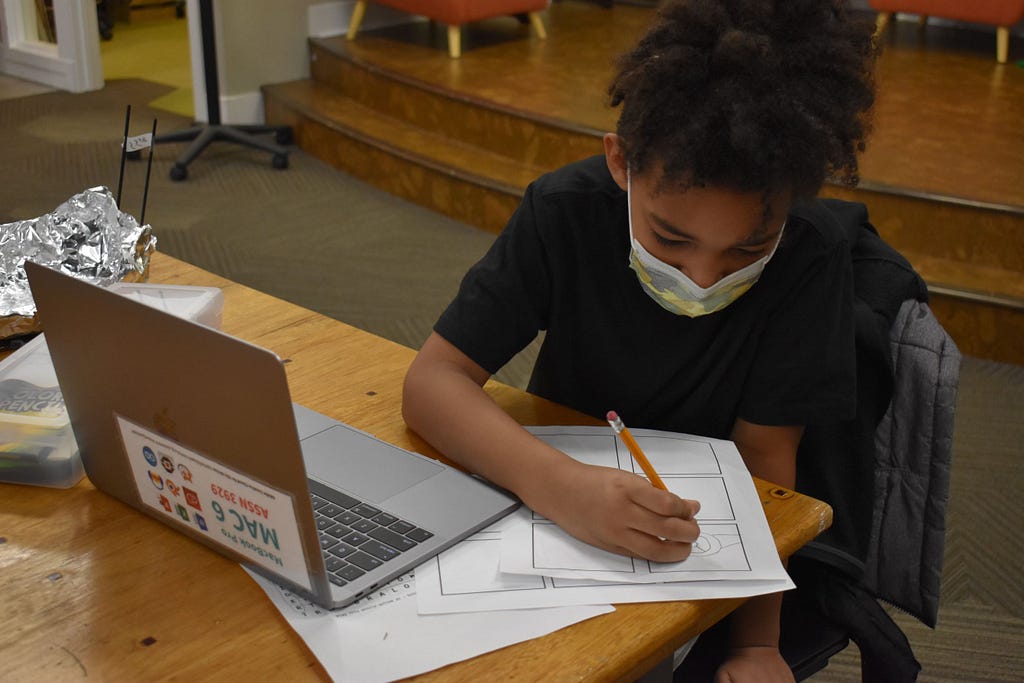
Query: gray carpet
x=333 y=244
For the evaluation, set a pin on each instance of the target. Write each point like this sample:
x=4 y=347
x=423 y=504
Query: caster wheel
x=284 y=136
x=135 y=155
x=280 y=161
x=179 y=172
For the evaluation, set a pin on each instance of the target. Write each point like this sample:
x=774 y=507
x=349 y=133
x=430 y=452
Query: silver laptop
x=197 y=428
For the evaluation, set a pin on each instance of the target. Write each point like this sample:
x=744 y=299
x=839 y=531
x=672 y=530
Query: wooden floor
x=948 y=117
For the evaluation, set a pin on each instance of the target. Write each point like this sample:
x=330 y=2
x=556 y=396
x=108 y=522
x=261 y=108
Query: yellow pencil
x=634 y=448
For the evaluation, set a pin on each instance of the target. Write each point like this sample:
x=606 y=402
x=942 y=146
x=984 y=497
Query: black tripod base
x=201 y=136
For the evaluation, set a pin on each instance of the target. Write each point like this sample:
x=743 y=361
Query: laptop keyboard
x=357 y=537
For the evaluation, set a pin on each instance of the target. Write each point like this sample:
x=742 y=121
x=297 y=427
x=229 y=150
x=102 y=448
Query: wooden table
x=90 y=587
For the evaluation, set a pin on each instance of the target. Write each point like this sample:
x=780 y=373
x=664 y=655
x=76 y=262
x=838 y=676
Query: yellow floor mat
x=156 y=50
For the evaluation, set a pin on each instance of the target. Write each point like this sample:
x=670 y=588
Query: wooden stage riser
x=982 y=330
x=509 y=134
x=430 y=187
x=471 y=161
x=963 y=233
x=977 y=235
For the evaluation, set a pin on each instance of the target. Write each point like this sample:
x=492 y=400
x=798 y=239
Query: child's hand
x=617 y=511
x=762 y=664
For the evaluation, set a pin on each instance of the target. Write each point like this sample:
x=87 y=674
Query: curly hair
x=752 y=95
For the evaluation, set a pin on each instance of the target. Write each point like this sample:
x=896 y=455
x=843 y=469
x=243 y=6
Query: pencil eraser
x=612 y=415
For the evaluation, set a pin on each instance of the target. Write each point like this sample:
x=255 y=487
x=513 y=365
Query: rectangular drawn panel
x=677 y=455
x=554 y=548
x=710 y=492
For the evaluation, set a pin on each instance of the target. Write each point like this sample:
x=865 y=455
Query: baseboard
x=325 y=19
x=39 y=63
x=243 y=109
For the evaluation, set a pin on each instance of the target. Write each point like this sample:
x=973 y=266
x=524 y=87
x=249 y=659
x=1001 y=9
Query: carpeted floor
x=324 y=240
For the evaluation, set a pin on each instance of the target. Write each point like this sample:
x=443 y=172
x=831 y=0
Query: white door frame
x=72 y=64
x=195 y=52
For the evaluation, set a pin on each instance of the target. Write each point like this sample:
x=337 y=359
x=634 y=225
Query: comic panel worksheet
x=735 y=541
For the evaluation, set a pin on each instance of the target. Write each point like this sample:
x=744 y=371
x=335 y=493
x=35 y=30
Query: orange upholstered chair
x=1002 y=14
x=455 y=13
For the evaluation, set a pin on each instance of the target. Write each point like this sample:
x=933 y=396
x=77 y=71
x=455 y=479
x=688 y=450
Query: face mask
x=677 y=293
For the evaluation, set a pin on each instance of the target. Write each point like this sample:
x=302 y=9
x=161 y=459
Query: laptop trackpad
x=366 y=467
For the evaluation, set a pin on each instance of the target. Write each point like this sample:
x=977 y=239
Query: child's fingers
x=664 y=503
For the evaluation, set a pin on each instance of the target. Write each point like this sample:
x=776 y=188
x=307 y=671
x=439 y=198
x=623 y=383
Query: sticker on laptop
x=230 y=508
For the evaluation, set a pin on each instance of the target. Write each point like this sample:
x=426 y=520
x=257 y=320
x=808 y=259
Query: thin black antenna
x=149 y=167
x=124 y=153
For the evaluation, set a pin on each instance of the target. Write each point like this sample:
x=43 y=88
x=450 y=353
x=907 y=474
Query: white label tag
x=229 y=507
x=134 y=144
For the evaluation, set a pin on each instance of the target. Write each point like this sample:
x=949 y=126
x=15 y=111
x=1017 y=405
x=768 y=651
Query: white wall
x=265 y=41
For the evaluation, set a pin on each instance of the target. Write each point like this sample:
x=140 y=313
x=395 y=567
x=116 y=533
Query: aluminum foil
x=87 y=236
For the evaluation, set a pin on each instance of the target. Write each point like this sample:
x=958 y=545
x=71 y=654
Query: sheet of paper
x=467 y=578
x=382 y=638
x=735 y=542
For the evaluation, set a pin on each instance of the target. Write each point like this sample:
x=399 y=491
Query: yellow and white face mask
x=677 y=293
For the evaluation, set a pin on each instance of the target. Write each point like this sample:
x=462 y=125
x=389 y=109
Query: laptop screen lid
x=138 y=379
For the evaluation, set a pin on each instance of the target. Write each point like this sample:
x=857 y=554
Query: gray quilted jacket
x=913 y=457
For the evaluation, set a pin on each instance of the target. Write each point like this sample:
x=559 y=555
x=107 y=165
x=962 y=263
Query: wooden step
x=951 y=228
x=519 y=135
x=469 y=159
x=970 y=253
x=982 y=307
x=462 y=181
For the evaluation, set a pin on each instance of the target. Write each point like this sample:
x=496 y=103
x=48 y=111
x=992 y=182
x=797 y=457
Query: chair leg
x=357 y=19
x=882 y=21
x=454 y=42
x=1002 y=44
x=538 y=25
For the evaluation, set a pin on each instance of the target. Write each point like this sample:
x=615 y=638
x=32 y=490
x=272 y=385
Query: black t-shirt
x=782 y=354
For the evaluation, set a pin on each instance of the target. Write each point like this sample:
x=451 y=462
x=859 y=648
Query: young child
x=686 y=279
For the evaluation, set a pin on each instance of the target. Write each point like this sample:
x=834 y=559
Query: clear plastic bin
x=36 y=442
x=37 y=445
x=203 y=305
